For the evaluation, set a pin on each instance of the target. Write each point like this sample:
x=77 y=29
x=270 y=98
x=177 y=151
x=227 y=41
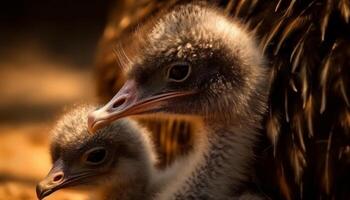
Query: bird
x=196 y=62
x=117 y=163
x=307 y=125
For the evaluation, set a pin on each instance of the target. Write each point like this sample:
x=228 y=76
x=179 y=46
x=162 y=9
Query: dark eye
x=95 y=156
x=179 y=72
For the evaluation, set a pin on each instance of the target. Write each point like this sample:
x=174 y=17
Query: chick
x=117 y=163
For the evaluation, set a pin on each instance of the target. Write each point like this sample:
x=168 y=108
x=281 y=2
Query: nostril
x=57 y=177
x=119 y=102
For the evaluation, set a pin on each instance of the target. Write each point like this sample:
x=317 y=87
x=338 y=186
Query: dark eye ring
x=95 y=156
x=179 y=72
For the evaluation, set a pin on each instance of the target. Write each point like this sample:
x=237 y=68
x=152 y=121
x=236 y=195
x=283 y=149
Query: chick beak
x=127 y=102
x=52 y=182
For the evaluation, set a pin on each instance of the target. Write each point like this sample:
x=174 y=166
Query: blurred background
x=47 y=52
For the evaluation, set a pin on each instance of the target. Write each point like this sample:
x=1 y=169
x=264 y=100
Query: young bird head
x=192 y=60
x=116 y=159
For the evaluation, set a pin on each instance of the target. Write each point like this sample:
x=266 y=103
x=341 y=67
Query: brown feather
x=326 y=176
x=273 y=130
x=325 y=18
x=344 y=7
x=309 y=115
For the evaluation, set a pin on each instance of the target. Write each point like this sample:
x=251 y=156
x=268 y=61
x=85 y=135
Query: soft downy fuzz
x=195 y=61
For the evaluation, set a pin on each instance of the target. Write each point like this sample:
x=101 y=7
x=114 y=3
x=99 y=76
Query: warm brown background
x=46 y=55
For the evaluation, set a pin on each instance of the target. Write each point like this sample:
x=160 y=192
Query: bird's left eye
x=95 y=156
x=179 y=72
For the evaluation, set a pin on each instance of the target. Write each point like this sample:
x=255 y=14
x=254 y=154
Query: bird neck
x=219 y=165
x=128 y=192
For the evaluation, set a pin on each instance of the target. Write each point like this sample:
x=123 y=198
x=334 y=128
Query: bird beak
x=52 y=182
x=127 y=102
x=58 y=178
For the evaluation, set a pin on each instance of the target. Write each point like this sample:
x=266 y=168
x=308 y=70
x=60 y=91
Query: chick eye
x=179 y=72
x=95 y=156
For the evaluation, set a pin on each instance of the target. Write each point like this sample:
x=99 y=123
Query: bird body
x=195 y=61
x=118 y=163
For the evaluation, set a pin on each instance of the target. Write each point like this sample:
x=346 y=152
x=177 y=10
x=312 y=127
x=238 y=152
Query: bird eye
x=179 y=72
x=95 y=156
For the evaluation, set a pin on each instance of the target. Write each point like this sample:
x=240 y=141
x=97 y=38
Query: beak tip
x=39 y=192
x=98 y=119
x=91 y=123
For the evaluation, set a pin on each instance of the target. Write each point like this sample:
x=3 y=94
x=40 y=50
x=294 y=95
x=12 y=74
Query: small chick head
x=119 y=156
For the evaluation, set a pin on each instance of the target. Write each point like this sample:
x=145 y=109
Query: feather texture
x=308 y=47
